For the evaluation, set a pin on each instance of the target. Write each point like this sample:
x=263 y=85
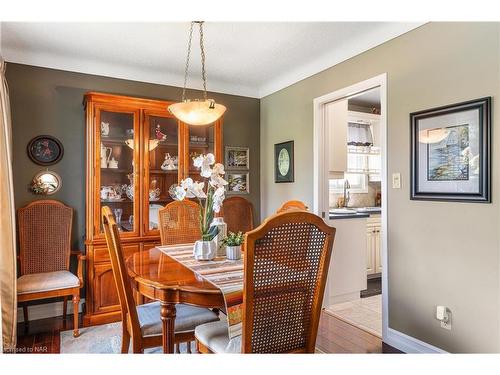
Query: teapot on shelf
x=105 y=155
x=113 y=163
x=106 y=191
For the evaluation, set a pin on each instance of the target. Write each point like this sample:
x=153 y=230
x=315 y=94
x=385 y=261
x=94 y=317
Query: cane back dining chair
x=286 y=264
x=44 y=256
x=238 y=214
x=179 y=222
x=292 y=205
x=142 y=324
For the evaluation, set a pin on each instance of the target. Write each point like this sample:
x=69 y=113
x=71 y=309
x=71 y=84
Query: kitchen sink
x=368 y=209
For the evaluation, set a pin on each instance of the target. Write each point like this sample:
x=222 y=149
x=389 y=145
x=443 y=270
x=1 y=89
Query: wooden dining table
x=160 y=277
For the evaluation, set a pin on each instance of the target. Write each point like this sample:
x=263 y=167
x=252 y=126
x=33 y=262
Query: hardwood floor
x=334 y=336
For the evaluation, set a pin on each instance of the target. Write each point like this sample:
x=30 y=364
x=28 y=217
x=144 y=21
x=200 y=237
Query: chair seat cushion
x=46 y=281
x=215 y=337
x=187 y=318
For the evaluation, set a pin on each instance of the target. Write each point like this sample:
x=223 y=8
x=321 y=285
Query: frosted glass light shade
x=197 y=112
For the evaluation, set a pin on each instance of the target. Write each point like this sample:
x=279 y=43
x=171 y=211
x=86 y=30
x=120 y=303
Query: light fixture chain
x=187 y=61
x=203 y=72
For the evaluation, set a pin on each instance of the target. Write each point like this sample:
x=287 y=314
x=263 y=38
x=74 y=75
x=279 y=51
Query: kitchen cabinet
x=336 y=118
x=373 y=258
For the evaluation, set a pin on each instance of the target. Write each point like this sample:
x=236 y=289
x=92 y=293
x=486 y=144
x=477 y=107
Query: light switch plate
x=396 y=180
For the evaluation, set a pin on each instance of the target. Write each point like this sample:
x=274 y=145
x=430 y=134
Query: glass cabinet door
x=161 y=148
x=200 y=141
x=116 y=173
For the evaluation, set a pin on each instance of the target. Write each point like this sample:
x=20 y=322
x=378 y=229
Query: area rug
x=105 y=339
x=364 y=313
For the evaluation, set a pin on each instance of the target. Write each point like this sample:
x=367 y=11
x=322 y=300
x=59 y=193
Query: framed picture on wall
x=283 y=162
x=238 y=183
x=450 y=152
x=45 y=150
x=237 y=158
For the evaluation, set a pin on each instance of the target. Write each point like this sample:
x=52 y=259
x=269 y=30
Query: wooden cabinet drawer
x=101 y=254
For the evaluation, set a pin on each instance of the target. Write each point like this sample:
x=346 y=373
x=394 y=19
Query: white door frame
x=321 y=138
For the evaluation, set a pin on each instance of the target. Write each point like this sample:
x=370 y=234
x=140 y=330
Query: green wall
x=439 y=253
x=48 y=101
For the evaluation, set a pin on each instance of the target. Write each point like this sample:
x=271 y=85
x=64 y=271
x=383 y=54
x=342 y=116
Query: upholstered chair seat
x=186 y=319
x=46 y=281
x=215 y=337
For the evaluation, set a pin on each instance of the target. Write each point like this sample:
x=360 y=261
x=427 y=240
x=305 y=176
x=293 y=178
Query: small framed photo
x=237 y=158
x=283 y=162
x=238 y=183
x=450 y=152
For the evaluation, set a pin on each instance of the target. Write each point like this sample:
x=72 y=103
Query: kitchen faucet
x=347 y=186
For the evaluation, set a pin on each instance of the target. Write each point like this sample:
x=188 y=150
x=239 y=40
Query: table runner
x=225 y=274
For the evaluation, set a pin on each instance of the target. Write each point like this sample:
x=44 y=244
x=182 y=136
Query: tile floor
x=364 y=313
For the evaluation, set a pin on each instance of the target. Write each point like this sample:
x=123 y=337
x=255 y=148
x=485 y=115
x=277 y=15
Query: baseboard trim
x=409 y=344
x=47 y=310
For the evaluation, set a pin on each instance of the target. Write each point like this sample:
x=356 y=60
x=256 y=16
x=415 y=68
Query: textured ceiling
x=245 y=58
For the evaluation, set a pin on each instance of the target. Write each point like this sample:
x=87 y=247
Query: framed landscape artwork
x=283 y=162
x=237 y=158
x=450 y=152
x=238 y=183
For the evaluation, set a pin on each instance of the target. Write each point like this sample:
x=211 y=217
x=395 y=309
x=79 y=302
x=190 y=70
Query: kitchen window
x=358 y=182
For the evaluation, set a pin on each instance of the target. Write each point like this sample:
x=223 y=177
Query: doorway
x=350 y=193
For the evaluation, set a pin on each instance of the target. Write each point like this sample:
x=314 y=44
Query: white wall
x=438 y=252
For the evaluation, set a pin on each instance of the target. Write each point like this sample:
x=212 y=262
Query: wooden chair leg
x=136 y=347
x=76 y=301
x=65 y=307
x=125 y=339
x=202 y=349
x=25 y=313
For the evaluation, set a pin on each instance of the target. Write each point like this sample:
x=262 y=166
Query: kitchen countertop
x=357 y=215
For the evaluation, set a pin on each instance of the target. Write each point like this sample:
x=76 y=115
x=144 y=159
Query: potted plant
x=210 y=196
x=233 y=243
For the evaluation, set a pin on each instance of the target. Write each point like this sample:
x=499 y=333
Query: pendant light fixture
x=197 y=111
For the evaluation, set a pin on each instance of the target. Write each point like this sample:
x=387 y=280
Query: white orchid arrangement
x=209 y=199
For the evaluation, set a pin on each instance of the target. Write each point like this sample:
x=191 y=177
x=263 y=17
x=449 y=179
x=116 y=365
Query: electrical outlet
x=446 y=325
x=396 y=180
x=443 y=314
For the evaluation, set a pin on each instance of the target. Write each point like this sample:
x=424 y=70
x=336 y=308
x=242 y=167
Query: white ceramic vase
x=233 y=252
x=219 y=223
x=204 y=250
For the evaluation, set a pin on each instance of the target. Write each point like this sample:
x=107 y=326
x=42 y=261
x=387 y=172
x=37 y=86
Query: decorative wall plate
x=45 y=150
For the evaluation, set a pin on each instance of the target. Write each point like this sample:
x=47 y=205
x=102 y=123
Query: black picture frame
x=283 y=149
x=440 y=185
x=45 y=150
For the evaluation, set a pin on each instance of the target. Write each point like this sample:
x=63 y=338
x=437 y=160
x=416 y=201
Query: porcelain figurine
x=104 y=129
x=169 y=163
x=159 y=135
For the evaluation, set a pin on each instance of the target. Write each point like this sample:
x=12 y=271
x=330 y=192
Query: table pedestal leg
x=168 y=313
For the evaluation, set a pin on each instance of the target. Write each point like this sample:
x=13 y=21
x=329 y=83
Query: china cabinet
x=135 y=152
